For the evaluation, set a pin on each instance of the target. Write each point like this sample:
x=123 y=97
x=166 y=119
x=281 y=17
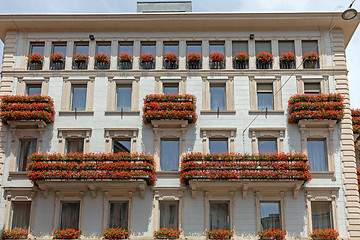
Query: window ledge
x=327 y=174
x=220 y=111
x=77 y=112
x=18 y=175
x=168 y=174
x=268 y=111
x=116 y=112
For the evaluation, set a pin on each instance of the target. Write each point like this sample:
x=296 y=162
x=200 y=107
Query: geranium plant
x=288 y=57
x=147 y=57
x=167 y=233
x=170 y=57
x=219 y=234
x=327 y=234
x=80 y=57
x=102 y=57
x=68 y=233
x=241 y=57
x=125 y=57
x=311 y=56
x=193 y=57
x=358 y=177
x=57 y=57
x=16 y=233
x=355 y=113
x=35 y=58
x=217 y=57
x=116 y=233
x=265 y=57
x=272 y=233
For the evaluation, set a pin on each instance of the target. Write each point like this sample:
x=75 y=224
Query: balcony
x=35 y=66
x=241 y=64
x=31 y=109
x=264 y=60
x=170 y=108
x=57 y=65
x=102 y=65
x=217 y=65
x=35 y=61
x=315 y=107
x=287 y=65
x=171 y=65
x=311 y=60
x=125 y=65
x=288 y=170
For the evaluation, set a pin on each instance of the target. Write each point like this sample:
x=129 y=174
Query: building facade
x=240 y=107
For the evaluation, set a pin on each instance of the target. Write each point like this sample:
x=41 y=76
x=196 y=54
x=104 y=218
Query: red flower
x=170 y=57
x=147 y=57
x=265 y=57
x=288 y=57
x=241 y=57
x=115 y=233
x=102 y=57
x=68 y=233
x=217 y=57
x=328 y=234
x=80 y=57
x=167 y=233
x=311 y=56
x=125 y=57
x=35 y=58
x=219 y=234
x=274 y=233
x=15 y=233
x=55 y=57
x=193 y=57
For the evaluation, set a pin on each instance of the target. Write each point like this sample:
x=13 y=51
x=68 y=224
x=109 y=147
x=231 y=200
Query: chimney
x=164 y=7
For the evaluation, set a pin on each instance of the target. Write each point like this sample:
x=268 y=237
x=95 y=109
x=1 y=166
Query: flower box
x=272 y=234
x=219 y=234
x=68 y=233
x=217 y=60
x=311 y=60
x=167 y=233
x=147 y=61
x=355 y=113
x=35 y=61
x=125 y=65
x=16 y=233
x=80 y=61
x=171 y=60
x=102 y=61
x=327 y=234
x=264 y=60
x=193 y=60
x=57 y=65
x=241 y=61
x=116 y=233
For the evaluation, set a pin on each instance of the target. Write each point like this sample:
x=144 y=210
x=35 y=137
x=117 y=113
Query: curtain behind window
x=219 y=216
x=270 y=215
x=321 y=216
x=21 y=215
x=169 y=215
x=317 y=155
x=118 y=217
x=70 y=212
x=27 y=147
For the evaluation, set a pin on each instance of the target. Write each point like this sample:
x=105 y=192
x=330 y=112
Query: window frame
x=73 y=139
x=118 y=201
x=120 y=133
x=71 y=196
x=176 y=80
x=325 y=151
x=323 y=80
x=229 y=93
x=179 y=162
x=219 y=201
x=217 y=133
x=73 y=86
x=12 y=213
x=169 y=202
x=61 y=208
x=66 y=133
x=219 y=139
x=19 y=154
x=23 y=83
x=259 y=92
x=256 y=133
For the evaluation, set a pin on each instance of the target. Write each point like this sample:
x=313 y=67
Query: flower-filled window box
x=241 y=61
x=170 y=107
x=26 y=108
x=311 y=60
x=125 y=61
x=80 y=61
x=355 y=113
x=102 y=61
x=167 y=233
x=219 y=234
x=327 y=234
x=57 y=61
x=358 y=177
x=264 y=60
x=193 y=60
x=91 y=166
x=68 y=233
x=272 y=234
x=16 y=233
x=116 y=233
x=236 y=166
x=217 y=60
x=147 y=61
x=287 y=60
x=171 y=61
x=35 y=61
x=321 y=106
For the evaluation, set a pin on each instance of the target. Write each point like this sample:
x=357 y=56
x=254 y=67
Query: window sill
x=168 y=174
x=116 y=112
x=22 y=175
x=77 y=112
x=215 y=111
x=327 y=174
x=268 y=111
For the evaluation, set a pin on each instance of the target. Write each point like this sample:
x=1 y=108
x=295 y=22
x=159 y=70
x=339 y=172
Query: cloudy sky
x=121 y=6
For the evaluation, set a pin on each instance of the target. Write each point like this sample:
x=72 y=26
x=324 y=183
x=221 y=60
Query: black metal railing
x=170 y=65
x=79 y=65
x=102 y=65
x=194 y=65
x=241 y=64
x=125 y=65
x=57 y=65
x=147 y=65
x=263 y=65
x=311 y=64
x=35 y=66
x=217 y=65
x=287 y=65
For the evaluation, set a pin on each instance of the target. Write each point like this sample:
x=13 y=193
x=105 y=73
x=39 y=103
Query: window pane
x=169 y=215
x=27 y=147
x=118 y=217
x=82 y=48
x=148 y=48
x=218 y=97
x=219 y=216
x=121 y=145
x=20 y=215
x=126 y=47
x=239 y=47
x=123 y=93
x=169 y=155
x=171 y=48
x=267 y=145
x=79 y=98
x=37 y=48
x=33 y=90
x=104 y=48
x=270 y=215
x=218 y=146
x=262 y=46
x=317 y=154
x=309 y=46
x=286 y=46
x=170 y=89
x=217 y=47
x=312 y=88
x=265 y=96
x=70 y=215
x=75 y=145
x=321 y=215
x=59 y=48
x=193 y=47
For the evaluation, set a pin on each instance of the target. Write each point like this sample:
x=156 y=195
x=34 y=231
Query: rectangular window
x=118 y=215
x=126 y=47
x=170 y=88
x=78 y=97
x=321 y=215
x=20 y=216
x=267 y=145
x=59 y=48
x=169 y=214
x=171 y=47
x=70 y=212
x=218 y=146
x=270 y=215
x=81 y=47
x=219 y=215
x=75 y=145
x=239 y=47
x=265 y=96
x=193 y=47
x=121 y=145
x=217 y=97
x=27 y=147
x=103 y=47
x=309 y=46
x=169 y=155
x=37 y=48
x=316 y=149
x=217 y=47
x=286 y=46
x=33 y=89
x=148 y=47
x=123 y=97
x=262 y=46
x=312 y=88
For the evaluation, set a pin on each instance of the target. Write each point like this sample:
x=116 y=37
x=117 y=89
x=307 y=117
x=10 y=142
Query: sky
x=126 y=6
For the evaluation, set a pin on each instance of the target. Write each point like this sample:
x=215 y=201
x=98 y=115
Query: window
x=239 y=47
x=270 y=215
x=193 y=47
x=217 y=47
x=169 y=155
x=170 y=88
x=219 y=215
x=309 y=46
x=267 y=145
x=20 y=216
x=316 y=149
x=78 y=97
x=121 y=145
x=265 y=96
x=126 y=47
x=171 y=47
x=27 y=147
x=262 y=46
x=312 y=88
x=123 y=97
x=81 y=47
x=103 y=47
x=286 y=46
x=218 y=146
x=70 y=212
x=169 y=214
x=58 y=48
x=33 y=89
x=119 y=214
x=148 y=47
x=321 y=215
x=74 y=145
x=37 y=48
x=217 y=97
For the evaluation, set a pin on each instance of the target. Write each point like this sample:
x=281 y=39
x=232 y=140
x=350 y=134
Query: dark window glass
x=316 y=149
x=33 y=89
x=239 y=47
x=123 y=97
x=265 y=96
x=104 y=47
x=267 y=145
x=126 y=47
x=74 y=145
x=118 y=217
x=121 y=145
x=321 y=215
x=170 y=88
x=59 y=48
x=217 y=97
x=219 y=215
x=193 y=47
x=27 y=147
x=20 y=215
x=70 y=212
x=82 y=48
x=312 y=88
x=217 y=47
x=169 y=215
x=309 y=46
x=270 y=215
x=171 y=47
x=286 y=46
x=78 y=97
x=148 y=47
x=262 y=46
x=169 y=155
x=37 y=48
x=218 y=145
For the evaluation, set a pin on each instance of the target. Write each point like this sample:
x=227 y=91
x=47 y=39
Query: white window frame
x=323 y=80
x=277 y=133
x=66 y=133
x=175 y=80
x=120 y=133
x=24 y=82
x=218 y=133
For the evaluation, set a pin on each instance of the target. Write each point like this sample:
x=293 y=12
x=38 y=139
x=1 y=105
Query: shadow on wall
x=142 y=222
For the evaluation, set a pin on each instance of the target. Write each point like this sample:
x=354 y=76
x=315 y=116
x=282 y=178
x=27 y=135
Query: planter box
x=240 y=64
x=217 y=65
x=102 y=65
x=194 y=65
x=35 y=65
x=287 y=64
x=147 y=65
x=57 y=65
x=171 y=65
x=79 y=65
x=125 y=65
x=263 y=65
x=311 y=64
